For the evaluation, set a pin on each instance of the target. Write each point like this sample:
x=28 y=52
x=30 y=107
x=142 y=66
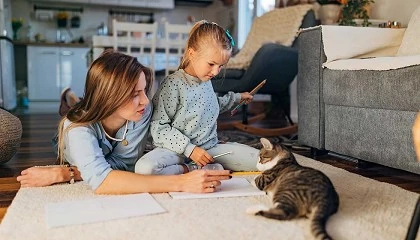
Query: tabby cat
x=296 y=191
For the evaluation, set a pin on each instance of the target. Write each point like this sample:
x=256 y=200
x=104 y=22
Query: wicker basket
x=10 y=135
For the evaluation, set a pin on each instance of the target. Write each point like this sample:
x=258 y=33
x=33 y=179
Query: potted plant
x=62 y=19
x=354 y=9
x=329 y=12
x=16 y=25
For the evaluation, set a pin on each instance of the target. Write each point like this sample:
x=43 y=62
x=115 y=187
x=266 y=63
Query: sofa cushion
x=410 y=43
x=396 y=89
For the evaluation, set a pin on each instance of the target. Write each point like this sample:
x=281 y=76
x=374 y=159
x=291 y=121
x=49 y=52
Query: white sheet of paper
x=100 y=209
x=235 y=187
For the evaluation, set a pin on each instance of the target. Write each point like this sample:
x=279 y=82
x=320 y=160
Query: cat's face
x=270 y=155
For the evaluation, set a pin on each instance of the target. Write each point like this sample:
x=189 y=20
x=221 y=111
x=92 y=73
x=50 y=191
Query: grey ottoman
x=10 y=135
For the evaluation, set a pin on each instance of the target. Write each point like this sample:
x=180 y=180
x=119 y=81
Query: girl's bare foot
x=41 y=176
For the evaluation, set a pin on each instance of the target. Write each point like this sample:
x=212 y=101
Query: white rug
x=368 y=210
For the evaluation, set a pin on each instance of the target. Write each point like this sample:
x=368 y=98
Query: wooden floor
x=35 y=149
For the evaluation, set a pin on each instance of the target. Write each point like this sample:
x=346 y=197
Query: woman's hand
x=201 y=157
x=41 y=176
x=247 y=97
x=46 y=176
x=203 y=181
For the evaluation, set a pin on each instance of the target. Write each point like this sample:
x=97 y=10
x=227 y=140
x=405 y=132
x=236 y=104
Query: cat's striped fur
x=296 y=191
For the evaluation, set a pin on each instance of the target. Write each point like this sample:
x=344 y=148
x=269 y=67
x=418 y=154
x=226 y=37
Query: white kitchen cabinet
x=134 y=3
x=163 y=4
x=73 y=68
x=104 y=2
x=43 y=80
x=51 y=69
x=160 y=4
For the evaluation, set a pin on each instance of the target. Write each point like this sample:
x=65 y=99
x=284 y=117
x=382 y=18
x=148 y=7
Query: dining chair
x=176 y=36
x=136 y=39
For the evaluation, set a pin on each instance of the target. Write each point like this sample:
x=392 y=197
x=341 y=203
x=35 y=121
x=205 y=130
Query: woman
x=104 y=135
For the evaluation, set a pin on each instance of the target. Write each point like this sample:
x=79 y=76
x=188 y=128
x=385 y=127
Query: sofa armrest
x=309 y=88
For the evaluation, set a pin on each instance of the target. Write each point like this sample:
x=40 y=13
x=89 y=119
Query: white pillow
x=410 y=43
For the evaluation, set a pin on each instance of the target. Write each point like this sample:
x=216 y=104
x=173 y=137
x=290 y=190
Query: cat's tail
x=319 y=220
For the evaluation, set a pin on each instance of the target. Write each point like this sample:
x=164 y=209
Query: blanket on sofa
x=345 y=42
x=357 y=48
x=277 y=26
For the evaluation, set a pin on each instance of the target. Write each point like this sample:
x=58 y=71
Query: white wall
x=394 y=10
x=93 y=16
x=215 y=12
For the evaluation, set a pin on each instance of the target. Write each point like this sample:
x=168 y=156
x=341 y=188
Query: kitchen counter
x=50 y=44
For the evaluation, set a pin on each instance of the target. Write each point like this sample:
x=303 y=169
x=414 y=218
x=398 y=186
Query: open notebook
x=235 y=187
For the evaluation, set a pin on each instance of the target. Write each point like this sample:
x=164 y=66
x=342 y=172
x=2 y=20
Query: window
x=247 y=10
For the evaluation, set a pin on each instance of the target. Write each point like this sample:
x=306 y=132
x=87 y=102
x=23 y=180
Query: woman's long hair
x=110 y=83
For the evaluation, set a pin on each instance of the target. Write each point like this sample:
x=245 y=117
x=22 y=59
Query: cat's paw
x=256 y=208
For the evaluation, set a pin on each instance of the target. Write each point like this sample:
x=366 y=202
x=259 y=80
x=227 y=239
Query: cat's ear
x=266 y=143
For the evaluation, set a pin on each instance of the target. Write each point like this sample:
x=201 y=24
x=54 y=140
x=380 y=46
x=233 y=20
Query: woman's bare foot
x=41 y=176
x=67 y=100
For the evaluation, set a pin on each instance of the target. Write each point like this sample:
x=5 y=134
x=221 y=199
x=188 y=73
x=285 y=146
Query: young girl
x=104 y=134
x=184 y=121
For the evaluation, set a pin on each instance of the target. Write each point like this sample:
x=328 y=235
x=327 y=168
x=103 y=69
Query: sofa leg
x=315 y=152
x=359 y=163
x=363 y=164
x=344 y=157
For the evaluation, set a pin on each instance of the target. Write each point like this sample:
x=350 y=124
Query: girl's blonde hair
x=204 y=34
x=110 y=83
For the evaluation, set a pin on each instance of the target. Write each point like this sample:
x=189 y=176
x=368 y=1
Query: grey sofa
x=361 y=114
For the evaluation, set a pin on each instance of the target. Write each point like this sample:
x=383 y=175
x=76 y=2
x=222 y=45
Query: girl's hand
x=247 y=97
x=203 y=181
x=201 y=157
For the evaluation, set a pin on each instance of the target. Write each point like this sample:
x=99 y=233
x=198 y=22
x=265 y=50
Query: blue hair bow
x=232 y=42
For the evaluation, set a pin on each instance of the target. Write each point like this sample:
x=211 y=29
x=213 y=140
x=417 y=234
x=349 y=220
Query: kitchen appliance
x=8 y=99
x=102 y=30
